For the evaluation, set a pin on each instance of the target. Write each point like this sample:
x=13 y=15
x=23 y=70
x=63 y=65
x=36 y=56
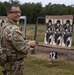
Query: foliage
x=33 y=10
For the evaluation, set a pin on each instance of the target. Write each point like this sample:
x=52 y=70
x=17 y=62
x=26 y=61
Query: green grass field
x=35 y=66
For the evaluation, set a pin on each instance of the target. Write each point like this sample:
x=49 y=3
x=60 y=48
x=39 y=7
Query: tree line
x=34 y=10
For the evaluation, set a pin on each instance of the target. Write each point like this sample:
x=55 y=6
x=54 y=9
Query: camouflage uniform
x=15 y=48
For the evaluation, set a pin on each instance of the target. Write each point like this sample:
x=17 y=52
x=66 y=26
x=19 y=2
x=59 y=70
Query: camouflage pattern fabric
x=16 y=49
x=3 y=56
x=14 y=68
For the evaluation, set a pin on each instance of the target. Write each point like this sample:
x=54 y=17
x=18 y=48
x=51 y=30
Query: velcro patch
x=19 y=31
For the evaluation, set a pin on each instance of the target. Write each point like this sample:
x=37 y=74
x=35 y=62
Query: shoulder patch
x=19 y=31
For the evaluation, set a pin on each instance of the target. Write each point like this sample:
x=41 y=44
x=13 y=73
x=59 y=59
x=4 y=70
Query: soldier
x=16 y=48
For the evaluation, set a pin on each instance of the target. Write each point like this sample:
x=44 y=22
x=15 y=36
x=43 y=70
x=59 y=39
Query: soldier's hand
x=32 y=43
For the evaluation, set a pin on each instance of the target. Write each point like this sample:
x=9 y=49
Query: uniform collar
x=11 y=21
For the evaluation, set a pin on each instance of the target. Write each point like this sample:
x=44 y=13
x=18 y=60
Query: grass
x=34 y=66
x=40 y=32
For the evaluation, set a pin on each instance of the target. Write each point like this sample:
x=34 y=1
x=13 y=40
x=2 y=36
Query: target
x=49 y=32
x=67 y=32
x=59 y=30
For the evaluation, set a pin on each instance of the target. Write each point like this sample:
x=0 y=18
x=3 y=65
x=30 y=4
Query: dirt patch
x=41 y=53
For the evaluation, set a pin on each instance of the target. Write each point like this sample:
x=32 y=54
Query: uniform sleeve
x=18 y=41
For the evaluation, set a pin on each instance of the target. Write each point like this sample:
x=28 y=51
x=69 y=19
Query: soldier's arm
x=18 y=41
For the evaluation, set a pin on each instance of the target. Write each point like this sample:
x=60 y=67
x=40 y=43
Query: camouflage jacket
x=13 y=42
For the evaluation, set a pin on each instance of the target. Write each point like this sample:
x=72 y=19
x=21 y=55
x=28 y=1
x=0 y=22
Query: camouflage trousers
x=13 y=68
